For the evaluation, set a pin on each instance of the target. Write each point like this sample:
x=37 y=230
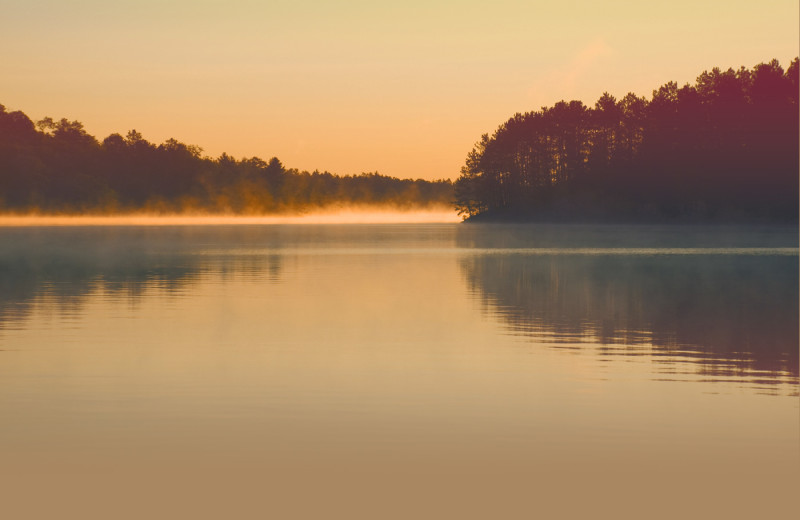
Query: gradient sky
x=350 y=86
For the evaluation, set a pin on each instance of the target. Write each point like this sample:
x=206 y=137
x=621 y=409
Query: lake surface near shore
x=398 y=370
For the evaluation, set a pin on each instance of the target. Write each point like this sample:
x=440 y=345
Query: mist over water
x=469 y=370
x=335 y=215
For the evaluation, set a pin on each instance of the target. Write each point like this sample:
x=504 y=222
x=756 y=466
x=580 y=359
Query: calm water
x=416 y=371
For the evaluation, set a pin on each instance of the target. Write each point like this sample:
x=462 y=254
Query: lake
x=398 y=370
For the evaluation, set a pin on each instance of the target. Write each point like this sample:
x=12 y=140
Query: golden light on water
x=347 y=216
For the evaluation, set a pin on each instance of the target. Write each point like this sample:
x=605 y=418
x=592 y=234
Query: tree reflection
x=730 y=314
x=68 y=265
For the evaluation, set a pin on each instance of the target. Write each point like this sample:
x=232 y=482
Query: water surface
x=425 y=370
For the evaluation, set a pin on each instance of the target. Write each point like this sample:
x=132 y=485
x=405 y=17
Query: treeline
x=57 y=167
x=725 y=148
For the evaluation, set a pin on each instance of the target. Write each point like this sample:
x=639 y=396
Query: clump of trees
x=57 y=167
x=724 y=148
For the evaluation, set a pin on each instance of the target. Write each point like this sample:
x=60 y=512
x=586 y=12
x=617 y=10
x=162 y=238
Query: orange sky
x=351 y=86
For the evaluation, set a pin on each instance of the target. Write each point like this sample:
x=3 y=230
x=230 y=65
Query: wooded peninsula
x=723 y=149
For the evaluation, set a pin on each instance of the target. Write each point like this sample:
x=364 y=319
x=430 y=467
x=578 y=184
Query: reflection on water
x=733 y=316
x=718 y=303
x=68 y=265
x=457 y=368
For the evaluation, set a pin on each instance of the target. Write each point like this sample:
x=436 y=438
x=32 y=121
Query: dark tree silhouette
x=57 y=167
x=725 y=148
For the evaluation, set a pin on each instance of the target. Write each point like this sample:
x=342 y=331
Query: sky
x=403 y=88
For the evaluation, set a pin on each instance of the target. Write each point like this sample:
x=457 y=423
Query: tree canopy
x=57 y=167
x=724 y=148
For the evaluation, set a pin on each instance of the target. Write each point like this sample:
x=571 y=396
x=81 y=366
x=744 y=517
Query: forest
x=56 y=167
x=723 y=149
